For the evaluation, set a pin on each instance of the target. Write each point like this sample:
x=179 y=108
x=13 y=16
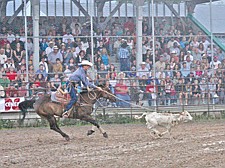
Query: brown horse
x=47 y=109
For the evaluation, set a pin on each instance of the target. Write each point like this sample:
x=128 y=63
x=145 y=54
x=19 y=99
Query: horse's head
x=107 y=93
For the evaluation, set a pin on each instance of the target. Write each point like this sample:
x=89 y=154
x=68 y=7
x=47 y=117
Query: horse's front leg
x=54 y=126
x=94 y=123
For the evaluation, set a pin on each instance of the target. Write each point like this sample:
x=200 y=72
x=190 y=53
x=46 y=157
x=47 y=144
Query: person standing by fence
x=124 y=57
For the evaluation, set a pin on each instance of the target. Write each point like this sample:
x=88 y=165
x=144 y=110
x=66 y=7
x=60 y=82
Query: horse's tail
x=139 y=117
x=23 y=109
x=23 y=106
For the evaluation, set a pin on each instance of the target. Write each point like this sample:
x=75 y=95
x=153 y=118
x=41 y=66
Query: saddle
x=63 y=99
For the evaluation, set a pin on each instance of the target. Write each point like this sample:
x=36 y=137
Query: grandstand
x=67 y=26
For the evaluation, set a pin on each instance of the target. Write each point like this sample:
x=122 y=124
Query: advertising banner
x=10 y=104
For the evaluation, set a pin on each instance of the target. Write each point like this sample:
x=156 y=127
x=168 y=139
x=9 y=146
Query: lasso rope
x=93 y=96
x=126 y=101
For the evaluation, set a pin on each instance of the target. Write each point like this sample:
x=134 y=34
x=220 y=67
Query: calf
x=167 y=120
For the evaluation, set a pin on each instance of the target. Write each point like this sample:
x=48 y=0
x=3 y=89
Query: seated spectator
x=3 y=57
x=142 y=84
x=196 y=54
x=149 y=64
x=71 y=44
x=58 y=67
x=105 y=57
x=4 y=80
x=55 y=82
x=129 y=25
x=134 y=93
x=80 y=57
x=18 y=54
x=168 y=71
x=67 y=36
x=121 y=91
x=117 y=44
x=173 y=95
x=203 y=90
x=30 y=46
x=22 y=70
x=41 y=80
x=8 y=51
x=33 y=89
x=71 y=63
x=2 y=91
x=20 y=79
x=181 y=90
x=196 y=91
x=185 y=71
x=160 y=74
x=14 y=43
x=42 y=71
x=11 y=91
x=43 y=44
x=102 y=74
x=211 y=89
x=151 y=90
x=160 y=64
x=161 y=93
x=215 y=62
x=49 y=49
x=68 y=55
x=10 y=36
x=168 y=84
x=22 y=91
x=44 y=63
x=112 y=69
x=220 y=90
x=31 y=73
x=67 y=72
x=53 y=56
x=142 y=71
x=11 y=74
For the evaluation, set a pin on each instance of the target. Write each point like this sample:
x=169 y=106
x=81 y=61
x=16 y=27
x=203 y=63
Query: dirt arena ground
x=195 y=145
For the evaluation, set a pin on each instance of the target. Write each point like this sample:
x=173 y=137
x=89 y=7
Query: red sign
x=11 y=104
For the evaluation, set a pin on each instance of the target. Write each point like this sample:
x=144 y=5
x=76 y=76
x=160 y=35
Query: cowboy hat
x=86 y=62
x=55 y=48
x=143 y=63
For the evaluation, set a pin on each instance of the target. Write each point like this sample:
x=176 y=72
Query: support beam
x=16 y=13
x=139 y=20
x=174 y=12
x=190 y=7
x=3 y=10
x=81 y=8
x=111 y=14
x=100 y=6
x=36 y=14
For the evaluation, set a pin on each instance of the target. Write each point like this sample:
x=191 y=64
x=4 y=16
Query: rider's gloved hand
x=88 y=89
x=100 y=89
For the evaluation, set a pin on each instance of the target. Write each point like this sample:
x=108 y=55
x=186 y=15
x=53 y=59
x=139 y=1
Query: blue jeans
x=120 y=103
x=73 y=95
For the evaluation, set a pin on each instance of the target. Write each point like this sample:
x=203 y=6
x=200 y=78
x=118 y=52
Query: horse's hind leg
x=92 y=121
x=55 y=127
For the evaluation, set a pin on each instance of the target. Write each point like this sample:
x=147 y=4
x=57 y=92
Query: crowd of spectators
x=185 y=67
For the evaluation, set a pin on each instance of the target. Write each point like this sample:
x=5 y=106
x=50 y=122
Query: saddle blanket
x=60 y=98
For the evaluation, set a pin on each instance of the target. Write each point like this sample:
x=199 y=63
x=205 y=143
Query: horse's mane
x=44 y=99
